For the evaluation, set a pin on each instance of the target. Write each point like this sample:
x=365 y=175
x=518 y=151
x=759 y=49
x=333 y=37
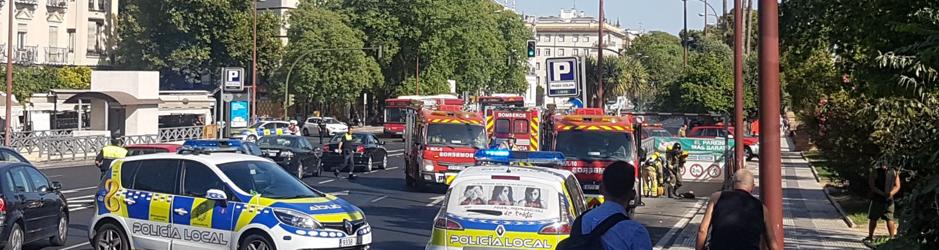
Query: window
x=586 y=38
x=39 y=181
x=95 y=37
x=20 y=39
x=10 y=156
x=560 y=38
x=537 y=65
x=503 y=126
x=128 y=171
x=71 y=40
x=538 y=51
x=547 y=38
x=521 y=127
x=199 y=179
x=560 y=52
x=266 y=179
x=97 y=5
x=19 y=179
x=576 y=37
x=158 y=176
x=53 y=36
x=547 y=52
x=576 y=52
x=576 y=194
x=145 y=151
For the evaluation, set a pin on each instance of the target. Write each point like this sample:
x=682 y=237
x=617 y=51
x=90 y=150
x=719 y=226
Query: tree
x=74 y=77
x=661 y=54
x=270 y=48
x=337 y=75
x=186 y=40
x=28 y=80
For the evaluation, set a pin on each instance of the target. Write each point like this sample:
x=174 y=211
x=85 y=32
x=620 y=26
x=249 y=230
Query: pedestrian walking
x=348 y=151
x=735 y=219
x=108 y=154
x=608 y=226
x=884 y=183
x=323 y=131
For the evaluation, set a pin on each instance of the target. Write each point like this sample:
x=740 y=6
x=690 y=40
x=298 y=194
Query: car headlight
x=366 y=229
x=286 y=154
x=296 y=219
x=428 y=165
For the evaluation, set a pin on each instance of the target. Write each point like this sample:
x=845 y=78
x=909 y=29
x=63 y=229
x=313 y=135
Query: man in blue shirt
x=617 y=189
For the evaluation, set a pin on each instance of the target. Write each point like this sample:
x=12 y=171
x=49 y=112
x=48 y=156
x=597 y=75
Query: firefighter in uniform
x=676 y=162
x=108 y=154
x=348 y=151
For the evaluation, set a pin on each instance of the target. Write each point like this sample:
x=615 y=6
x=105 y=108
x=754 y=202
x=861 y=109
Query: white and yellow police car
x=218 y=201
x=498 y=206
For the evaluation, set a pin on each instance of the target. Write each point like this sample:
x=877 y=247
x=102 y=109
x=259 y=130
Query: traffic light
x=531 y=48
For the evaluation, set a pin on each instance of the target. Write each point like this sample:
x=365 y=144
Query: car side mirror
x=56 y=186
x=216 y=195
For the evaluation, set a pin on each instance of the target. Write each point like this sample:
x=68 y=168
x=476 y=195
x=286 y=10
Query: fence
x=61 y=145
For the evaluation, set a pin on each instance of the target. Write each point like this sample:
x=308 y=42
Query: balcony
x=56 y=56
x=57 y=4
x=32 y=2
x=25 y=55
x=99 y=5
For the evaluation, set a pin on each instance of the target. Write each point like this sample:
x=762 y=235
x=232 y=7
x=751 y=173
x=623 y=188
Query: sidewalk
x=810 y=221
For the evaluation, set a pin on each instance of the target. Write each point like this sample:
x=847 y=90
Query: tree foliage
x=28 y=80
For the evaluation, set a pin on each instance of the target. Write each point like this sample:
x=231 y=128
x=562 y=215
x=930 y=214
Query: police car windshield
x=266 y=179
x=595 y=145
x=456 y=135
x=504 y=200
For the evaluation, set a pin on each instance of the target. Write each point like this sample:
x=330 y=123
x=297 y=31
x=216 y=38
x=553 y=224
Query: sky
x=639 y=15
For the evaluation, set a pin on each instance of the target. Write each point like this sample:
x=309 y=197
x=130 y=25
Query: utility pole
x=684 y=36
x=254 y=64
x=770 y=160
x=7 y=131
x=738 y=85
x=417 y=72
x=724 y=11
x=749 y=22
x=600 y=59
x=705 y=30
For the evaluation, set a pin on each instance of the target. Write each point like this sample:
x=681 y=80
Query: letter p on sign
x=560 y=69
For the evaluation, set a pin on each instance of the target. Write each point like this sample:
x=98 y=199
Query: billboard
x=239 y=114
x=705 y=160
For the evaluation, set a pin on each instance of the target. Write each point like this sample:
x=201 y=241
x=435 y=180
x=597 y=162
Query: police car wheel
x=256 y=242
x=252 y=138
x=369 y=164
x=110 y=236
x=61 y=233
x=15 y=241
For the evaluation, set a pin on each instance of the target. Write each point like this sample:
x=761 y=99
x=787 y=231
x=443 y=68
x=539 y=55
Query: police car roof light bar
x=502 y=156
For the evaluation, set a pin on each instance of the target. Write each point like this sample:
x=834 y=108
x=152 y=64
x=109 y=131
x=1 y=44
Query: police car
x=508 y=207
x=218 y=201
x=260 y=129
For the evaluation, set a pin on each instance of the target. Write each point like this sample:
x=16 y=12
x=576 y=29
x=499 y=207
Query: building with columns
x=59 y=32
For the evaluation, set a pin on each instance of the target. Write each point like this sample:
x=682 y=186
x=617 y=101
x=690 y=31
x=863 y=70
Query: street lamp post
x=684 y=36
x=770 y=158
x=7 y=132
x=254 y=61
x=738 y=85
x=600 y=58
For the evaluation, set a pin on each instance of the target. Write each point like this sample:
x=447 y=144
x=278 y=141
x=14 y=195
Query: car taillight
x=3 y=205
x=447 y=223
x=326 y=148
x=360 y=149
x=556 y=229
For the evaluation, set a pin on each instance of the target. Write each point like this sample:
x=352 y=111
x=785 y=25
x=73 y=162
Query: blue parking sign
x=233 y=79
x=562 y=79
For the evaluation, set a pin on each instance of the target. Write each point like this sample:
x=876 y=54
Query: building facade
x=571 y=34
x=279 y=7
x=59 y=32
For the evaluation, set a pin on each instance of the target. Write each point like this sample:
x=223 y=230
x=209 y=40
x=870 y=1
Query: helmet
x=294 y=122
x=677 y=146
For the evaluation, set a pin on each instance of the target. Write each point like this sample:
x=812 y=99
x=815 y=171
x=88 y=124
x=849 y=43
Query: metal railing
x=56 y=56
x=140 y=139
x=68 y=148
x=29 y=141
x=61 y=145
x=33 y=2
x=26 y=55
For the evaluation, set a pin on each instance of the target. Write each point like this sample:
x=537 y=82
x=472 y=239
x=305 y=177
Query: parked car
x=263 y=128
x=370 y=152
x=333 y=126
x=33 y=208
x=144 y=149
x=11 y=155
x=224 y=145
x=751 y=144
x=294 y=153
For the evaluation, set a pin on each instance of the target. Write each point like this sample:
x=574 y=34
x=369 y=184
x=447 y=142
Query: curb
x=844 y=216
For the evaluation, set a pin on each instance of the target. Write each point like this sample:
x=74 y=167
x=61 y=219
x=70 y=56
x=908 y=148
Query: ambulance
x=521 y=124
x=218 y=201
x=508 y=205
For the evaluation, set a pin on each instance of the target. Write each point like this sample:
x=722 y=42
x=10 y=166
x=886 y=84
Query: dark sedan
x=33 y=209
x=370 y=152
x=294 y=153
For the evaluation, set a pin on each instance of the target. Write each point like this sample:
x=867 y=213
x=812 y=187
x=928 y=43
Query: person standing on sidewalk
x=884 y=183
x=610 y=222
x=735 y=219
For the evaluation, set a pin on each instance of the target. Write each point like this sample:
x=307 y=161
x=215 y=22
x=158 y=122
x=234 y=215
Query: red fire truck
x=523 y=124
x=487 y=103
x=439 y=143
x=591 y=141
x=396 y=108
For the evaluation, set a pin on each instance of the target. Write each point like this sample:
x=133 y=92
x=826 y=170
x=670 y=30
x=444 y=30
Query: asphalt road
x=400 y=218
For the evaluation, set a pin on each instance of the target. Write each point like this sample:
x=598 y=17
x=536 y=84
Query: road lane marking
x=326 y=181
x=346 y=192
x=55 y=176
x=76 y=246
x=79 y=197
x=437 y=200
x=391 y=168
x=396 y=150
x=379 y=198
x=395 y=154
x=680 y=225
x=78 y=190
x=82 y=201
x=79 y=208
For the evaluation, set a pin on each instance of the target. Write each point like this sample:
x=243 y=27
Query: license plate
x=348 y=242
x=456 y=168
x=272 y=154
x=591 y=187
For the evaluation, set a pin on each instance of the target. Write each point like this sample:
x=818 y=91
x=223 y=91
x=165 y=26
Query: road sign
x=562 y=79
x=233 y=79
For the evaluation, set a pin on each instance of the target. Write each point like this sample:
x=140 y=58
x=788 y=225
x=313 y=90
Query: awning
x=122 y=98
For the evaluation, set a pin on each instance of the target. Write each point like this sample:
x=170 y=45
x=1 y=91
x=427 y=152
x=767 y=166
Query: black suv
x=31 y=207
